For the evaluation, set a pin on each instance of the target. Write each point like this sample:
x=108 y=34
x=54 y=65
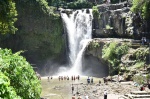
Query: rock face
x=116 y=20
x=130 y=63
x=112 y=20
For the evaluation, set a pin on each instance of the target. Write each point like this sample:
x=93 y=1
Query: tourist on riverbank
x=38 y=75
x=59 y=78
x=78 y=77
x=99 y=82
x=67 y=77
x=86 y=96
x=48 y=78
x=51 y=77
x=88 y=80
x=105 y=80
x=148 y=85
x=142 y=88
x=92 y=80
x=72 y=78
x=72 y=88
x=105 y=94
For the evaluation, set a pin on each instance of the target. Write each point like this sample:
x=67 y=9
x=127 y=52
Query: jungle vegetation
x=142 y=7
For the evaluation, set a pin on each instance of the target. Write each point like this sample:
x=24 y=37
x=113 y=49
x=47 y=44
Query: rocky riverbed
x=55 y=89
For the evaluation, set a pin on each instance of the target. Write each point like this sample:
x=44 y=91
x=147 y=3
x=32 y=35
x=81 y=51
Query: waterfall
x=79 y=30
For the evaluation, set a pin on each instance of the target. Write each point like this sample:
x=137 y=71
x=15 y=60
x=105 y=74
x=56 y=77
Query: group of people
x=90 y=80
x=49 y=77
x=73 y=78
x=63 y=78
x=143 y=40
x=142 y=88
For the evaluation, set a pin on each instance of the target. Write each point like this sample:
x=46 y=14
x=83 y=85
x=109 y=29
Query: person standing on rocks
x=86 y=97
x=92 y=80
x=105 y=94
x=88 y=80
x=48 y=78
x=72 y=88
x=99 y=82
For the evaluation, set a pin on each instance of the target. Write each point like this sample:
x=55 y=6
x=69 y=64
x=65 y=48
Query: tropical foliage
x=46 y=8
x=79 y=4
x=71 y=4
x=8 y=15
x=95 y=11
x=7 y=91
x=140 y=54
x=112 y=52
x=20 y=76
x=141 y=6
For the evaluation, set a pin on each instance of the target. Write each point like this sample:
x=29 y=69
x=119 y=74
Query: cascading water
x=79 y=30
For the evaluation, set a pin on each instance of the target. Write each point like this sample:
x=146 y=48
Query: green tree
x=22 y=77
x=141 y=6
x=112 y=53
x=6 y=91
x=8 y=15
x=49 y=10
x=95 y=12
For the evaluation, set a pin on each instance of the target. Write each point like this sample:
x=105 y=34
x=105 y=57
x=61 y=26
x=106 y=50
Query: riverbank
x=55 y=89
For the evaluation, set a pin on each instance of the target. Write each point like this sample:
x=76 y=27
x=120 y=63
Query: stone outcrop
x=113 y=21
x=116 y=20
x=135 y=58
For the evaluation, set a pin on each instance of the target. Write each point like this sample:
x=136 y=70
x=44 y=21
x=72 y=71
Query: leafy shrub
x=112 y=53
x=6 y=91
x=141 y=6
x=108 y=27
x=138 y=65
x=22 y=77
x=140 y=54
x=109 y=51
x=139 y=79
x=79 y=4
x=94 y=45
x=122 y=50
x=95 y=11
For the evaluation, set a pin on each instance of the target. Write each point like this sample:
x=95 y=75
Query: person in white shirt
x=86 y=97
x=105 y=94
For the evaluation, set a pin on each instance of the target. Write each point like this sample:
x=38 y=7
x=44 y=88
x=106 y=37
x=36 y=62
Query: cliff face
x=39 y=35
x=116 y=20
x=119 y=55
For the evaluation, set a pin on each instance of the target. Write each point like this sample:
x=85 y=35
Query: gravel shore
x=55 y=89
